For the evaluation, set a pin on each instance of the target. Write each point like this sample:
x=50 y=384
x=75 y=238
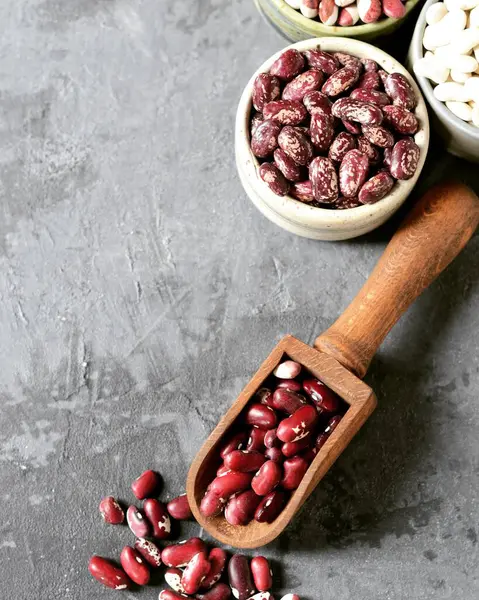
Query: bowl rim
x=296 y=17
x=296 y=210
x=425 y=84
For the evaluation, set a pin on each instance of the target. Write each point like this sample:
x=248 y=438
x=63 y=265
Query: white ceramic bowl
x=310 y=221
x=461 y=138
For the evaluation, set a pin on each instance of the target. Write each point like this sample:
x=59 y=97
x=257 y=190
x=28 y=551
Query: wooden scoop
x=437 y=229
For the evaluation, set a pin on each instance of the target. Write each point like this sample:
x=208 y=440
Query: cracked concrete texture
x=140 y=289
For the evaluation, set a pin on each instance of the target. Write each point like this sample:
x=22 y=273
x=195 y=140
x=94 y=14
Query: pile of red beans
x=268 y=453
x=333 y=130
x=192 y=569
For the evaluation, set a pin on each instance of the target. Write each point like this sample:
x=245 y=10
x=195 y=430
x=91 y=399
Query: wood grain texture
x=356 y=393
x=433 y=234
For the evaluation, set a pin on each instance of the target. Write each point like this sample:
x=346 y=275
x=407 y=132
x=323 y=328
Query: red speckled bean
x=262 y=575
x=357 y=111
x=323 y=397
x=267 y=478
x=353 y=172
x=379 y=136
x=287 y=401
x=400 y=91
x=146 y=485
x=308 y=81
x=159 y=518
x=302 y=190
x=317 y=102
x=107 y=573
x=369 y=65
x=270 y=507
x=290 y=449
x=244 y=461
x=275 y=180
x=288 y=65
x=294 y=470
x=298 y=425
x=235 y=442
x=137 y=522
x=369 y=81
x=150 y=552
x=195 y=573
x=341 y=81
x=241 y=508
x=240 y=579
x=275 y=455
x=343 y=143
x=404 y=159
x=173 y=579
x=321 y=131
x=286 y=112
x=264 y=140
x=111 y=511
x=217 y=559
x=351 y=127
x=288 y=167
x=400 y=119
x=266 y=88
x=261 y=416
x=296 y=144
x=376 y=188
x=324 y=61
x=365 y=147
x=179 y=555
x=324 y=179
x=256 y=440
x=368 y=95
x=220 y=591
x=134 y=566
x=179 y=508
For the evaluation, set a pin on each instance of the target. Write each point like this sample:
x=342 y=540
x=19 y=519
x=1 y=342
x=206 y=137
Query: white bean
x=450 y=91
x=474 y=17
x=435 y=13
x=459 y=62
x=461 y=110
x=465 y=41
x=462 y=4
x=471 y=88
x=459 y=76
x=432 y=69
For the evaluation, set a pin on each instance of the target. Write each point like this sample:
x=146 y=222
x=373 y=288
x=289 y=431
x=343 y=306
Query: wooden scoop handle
x=436 y=230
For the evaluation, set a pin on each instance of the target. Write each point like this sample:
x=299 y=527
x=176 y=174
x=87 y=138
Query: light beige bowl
x=298 y=217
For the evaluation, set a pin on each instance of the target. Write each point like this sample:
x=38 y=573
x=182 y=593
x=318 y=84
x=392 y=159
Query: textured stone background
x=140 y=288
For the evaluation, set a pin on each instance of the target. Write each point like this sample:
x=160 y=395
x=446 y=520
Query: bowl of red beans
x=331 y=136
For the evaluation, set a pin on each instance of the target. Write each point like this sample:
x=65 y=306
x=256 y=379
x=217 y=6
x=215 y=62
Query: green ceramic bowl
x=291 y=24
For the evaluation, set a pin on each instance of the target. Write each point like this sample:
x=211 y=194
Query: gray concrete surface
x=140 y=289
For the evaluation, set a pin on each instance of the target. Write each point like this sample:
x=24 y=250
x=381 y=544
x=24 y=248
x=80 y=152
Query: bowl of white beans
x=444 y=54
